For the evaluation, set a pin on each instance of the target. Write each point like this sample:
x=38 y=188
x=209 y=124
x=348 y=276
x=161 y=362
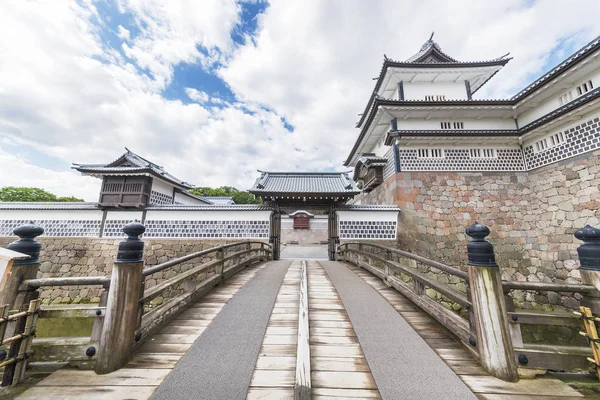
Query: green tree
x=239 y=196
x=13 y=193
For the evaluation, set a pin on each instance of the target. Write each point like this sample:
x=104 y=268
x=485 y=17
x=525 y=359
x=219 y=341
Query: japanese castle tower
x=528 y=166
x=422 y=117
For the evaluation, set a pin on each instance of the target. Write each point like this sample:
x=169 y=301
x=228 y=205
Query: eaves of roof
x=399 y=64
x=18 y=205
x=367 y=207
x=581 y=100
x=138 y=170
x=586 y=98
x=421 y=103
x=210 y=207
x=573 y=60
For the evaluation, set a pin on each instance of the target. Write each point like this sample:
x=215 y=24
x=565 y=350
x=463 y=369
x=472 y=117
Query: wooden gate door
x=275 y=239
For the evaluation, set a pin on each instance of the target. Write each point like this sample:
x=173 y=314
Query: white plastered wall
x=418 y=90
x=59 y=223
x=367 y=225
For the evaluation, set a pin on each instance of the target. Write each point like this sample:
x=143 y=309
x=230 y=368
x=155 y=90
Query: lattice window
x=452 y=125
x=56 y=228
x=206 y=229
x=565 y=98
x=549 y=142
x=383 y=230
x=483 y=153
x=430 y=153
x=584 y=87
x=577 y=140
x=439 y=97
x=160 y=198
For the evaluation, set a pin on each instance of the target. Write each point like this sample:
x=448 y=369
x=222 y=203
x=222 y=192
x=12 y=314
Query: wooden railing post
x=14 y=274
x=589 y=259
x=496 y=351
x=220 y=256
x=21 y=269
x=118 y=331
x=99 y=321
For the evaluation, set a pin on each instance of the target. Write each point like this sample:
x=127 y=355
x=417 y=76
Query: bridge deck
x=363 y=337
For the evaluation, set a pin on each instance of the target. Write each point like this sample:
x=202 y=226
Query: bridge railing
x=200 y=271
x=487 y=320
x=400 y=270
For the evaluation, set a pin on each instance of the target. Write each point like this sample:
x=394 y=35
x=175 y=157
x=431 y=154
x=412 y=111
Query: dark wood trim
x=468 y=87
x=396 y=158
x=401 y=90
x=102 y=223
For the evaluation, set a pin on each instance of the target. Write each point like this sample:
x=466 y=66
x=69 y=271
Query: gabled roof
x=219 y=200
x=431 y=52
x=368 y=160
x=131 y=163
x=309 y=215
x=316 y=183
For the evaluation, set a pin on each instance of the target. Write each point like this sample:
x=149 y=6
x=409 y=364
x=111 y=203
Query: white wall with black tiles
x=573 y=141
x=116 y=220
x=461 y=159
x=159 y=224
x=390 y=167
x=206 y=224
x=160 y=198
x=56 y=223
x=377 y=225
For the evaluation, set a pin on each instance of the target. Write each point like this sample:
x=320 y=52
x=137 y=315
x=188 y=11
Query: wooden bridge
x=238 y=325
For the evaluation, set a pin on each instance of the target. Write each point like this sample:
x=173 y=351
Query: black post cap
x=27 y=243
x=589 y=251
x=479 y=251
x=131 y=250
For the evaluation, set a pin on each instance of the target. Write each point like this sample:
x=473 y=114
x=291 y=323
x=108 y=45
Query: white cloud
x=197 y=95
x=123 y=33
x=65 y=94
x=171 y=33
x=30 y=175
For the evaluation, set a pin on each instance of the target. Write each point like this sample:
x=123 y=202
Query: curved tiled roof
x=130 y=162
x=368 y=207
x=575 y=58
x=337 y=183
x=18 y=205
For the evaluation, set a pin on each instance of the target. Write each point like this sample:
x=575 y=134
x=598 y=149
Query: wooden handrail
x=71 y=281
x=547 y=287
x=442 y=267
x=454 y=295
x=180 y=260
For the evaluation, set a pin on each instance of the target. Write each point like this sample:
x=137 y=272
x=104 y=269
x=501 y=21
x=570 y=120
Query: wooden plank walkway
x=275 y=368
x=339 y=368
x=152 y=362
x=460 y=360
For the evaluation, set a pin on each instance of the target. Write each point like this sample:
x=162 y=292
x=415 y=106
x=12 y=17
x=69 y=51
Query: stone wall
x=67 y=257
x=304 y=236
x=532 y=216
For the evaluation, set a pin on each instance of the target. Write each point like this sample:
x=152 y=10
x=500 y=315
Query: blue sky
x=215 y=89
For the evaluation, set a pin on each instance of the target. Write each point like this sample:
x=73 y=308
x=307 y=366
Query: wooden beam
x=303 y=375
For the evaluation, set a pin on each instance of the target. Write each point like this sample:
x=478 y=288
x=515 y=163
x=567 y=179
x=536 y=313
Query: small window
x=584 y=87
x=430 y=153
x=439 y=97
x=482 y=153
x=565 y=98
x=549 y=142
x=452 y=125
